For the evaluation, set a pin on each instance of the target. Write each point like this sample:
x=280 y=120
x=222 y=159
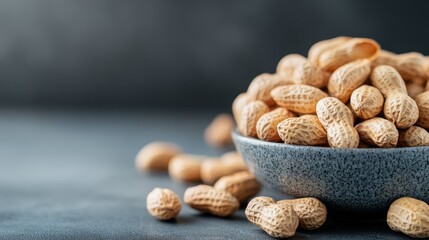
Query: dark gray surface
x=70 y=175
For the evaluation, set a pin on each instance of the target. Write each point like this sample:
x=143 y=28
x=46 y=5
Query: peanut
x=422 y=101
x=399 y=108
x=409 y=216
x=296 y=69
x=218 y=133
x=278 y=220
x=208 y=199
x=347 y=78
x=378 y=132
x=261 y=86
x=250 y=116
x=304 y=130
x=337 y=120
x=156 y=156
x=242 y=185
x=366 y=102
x=298 y=98
x=266 y=127
x=414 y=89
x=238 y=104
x=229 y=163
x=321 y=46
x=185 y=167
x=413 y=137
x=348 y=51
x=311 y=212
x=163 y=204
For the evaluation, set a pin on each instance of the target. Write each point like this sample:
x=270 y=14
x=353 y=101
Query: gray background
x=175 y=54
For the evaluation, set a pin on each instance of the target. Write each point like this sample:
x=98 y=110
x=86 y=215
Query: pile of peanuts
x=347 y=93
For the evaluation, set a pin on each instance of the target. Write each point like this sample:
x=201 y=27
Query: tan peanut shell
x=266 y=127
x=278 y=220
x=206 y=198
x=242 y=185
x=163 y=204
x=261 y=86
x=229 y=163
x=238 y=104
x=185 y=167
x=399 y=108
x=366 y=102
x=311 y=212
x=348 y=51
x=298 y=98
x=218 y=132
x=155 y=156
x=337 y=119
x=304 y=130
x=409 y=216
x=324 y=45
x=422 y=101
x=414 y=89
x=250 y=116
x=384 y=58
x=378 y=132
x=296 y=69
x=347 y=78
x=413 y=137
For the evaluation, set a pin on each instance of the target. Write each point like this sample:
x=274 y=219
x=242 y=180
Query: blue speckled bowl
x=344 y=179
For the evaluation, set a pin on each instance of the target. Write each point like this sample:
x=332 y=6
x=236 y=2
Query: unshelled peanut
x=337 y=120
x=155 y=156
x=242 y=185
x=250 y=116
x=322 y=46
x=414 y=89
x=229 y=163
x=422 y=101
x=378 y=132
x=298 y=98
x=413 y=137
x=206 y=198
x=347 y=78
x=163 y=204
x=410 y=216
x=238 y=104
x=266 y=127
x=218 y=133
x=304 y=130
x=399 y=108
x=311 y=212
x=261 y=86
x=278 y=220
x=186 y=167
x=366 y=102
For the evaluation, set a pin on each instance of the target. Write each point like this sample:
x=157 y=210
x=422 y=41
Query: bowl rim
x=237 y=134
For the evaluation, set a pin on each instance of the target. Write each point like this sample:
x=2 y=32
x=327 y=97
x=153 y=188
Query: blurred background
x=162 y=54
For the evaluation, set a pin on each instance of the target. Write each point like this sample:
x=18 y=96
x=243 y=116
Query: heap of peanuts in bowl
x=347 y=93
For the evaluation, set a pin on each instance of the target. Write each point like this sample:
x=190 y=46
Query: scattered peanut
x=250 y=116
x=409 y=216
x=422 y=101
x=337 y=120
x=311 y=212
x=242 y=185
x=298 y=98
x=208 y=199
x=379 y=132
x=186 y=167
x=163 y=204
x=156 y=156
x=366 y=102
x=304 y=130
x=399 y=108
x=218 y=133
x=413 y=137
x=278 y=220
x=266 y=127
x=261 y=86
x=347 y=78
x=229 y=163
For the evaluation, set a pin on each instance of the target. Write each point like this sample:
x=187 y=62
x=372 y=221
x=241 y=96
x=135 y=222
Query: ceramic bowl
x=365 y=179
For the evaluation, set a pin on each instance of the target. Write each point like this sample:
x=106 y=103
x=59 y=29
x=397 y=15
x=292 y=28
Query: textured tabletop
x=70 y=175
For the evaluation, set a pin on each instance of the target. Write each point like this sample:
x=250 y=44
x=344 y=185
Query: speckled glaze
x=344 y=179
